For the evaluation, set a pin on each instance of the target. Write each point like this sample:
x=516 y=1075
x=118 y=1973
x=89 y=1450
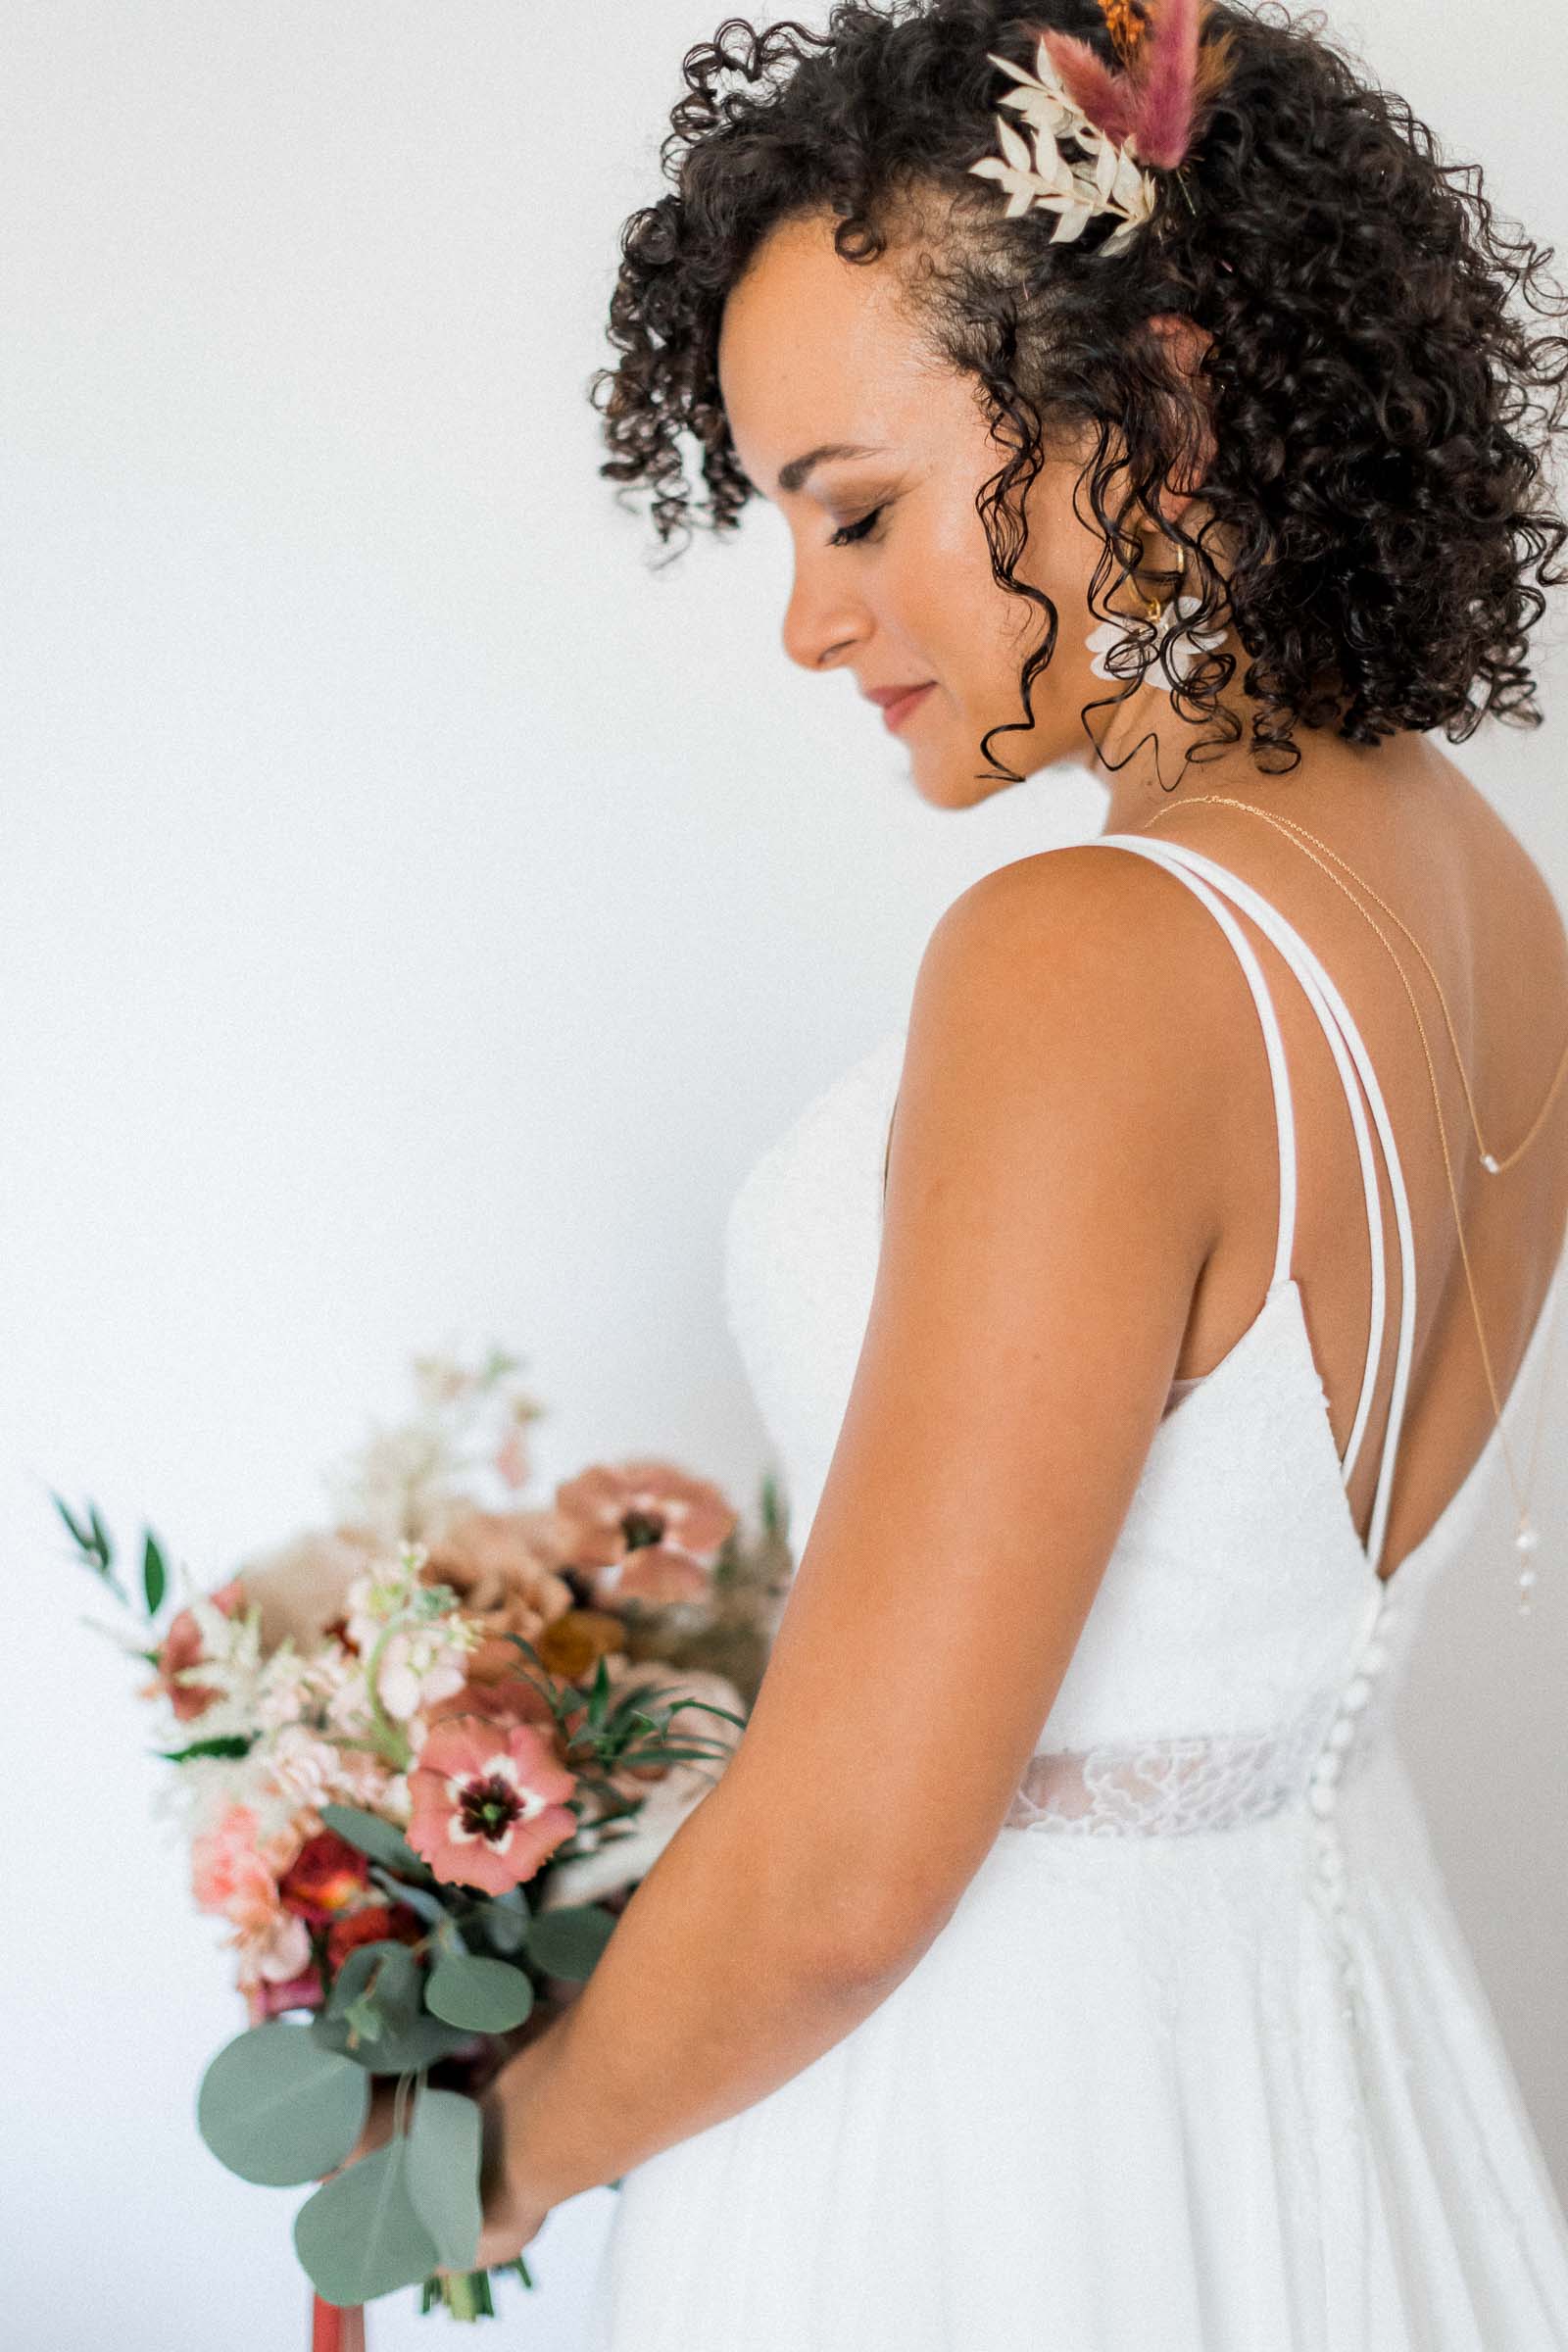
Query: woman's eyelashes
x=852 y=531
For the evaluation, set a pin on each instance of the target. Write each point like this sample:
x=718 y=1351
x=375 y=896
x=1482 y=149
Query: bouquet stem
x=466 y=2294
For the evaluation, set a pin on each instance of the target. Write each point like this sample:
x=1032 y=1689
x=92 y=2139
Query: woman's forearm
x=715 y=1986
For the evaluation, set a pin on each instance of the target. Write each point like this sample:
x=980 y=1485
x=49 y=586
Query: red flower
x=181 y=1646
x=376 y=1923
x=326 y=1878
x=489 y=1802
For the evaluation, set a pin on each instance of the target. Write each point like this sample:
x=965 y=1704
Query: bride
x=1061 y=1960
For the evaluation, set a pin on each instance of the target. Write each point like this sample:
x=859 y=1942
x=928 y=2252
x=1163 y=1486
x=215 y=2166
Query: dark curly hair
x=1381 y=414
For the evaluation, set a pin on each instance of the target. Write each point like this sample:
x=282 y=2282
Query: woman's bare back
x=1416 y=831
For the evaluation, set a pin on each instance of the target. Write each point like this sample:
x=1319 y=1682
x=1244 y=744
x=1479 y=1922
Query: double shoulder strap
x=1212 y=884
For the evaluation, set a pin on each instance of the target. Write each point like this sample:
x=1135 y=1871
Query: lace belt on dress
x=1218 y=1781
x=1170 y=1787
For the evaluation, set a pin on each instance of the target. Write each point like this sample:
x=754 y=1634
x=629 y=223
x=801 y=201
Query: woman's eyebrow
x=791 y=476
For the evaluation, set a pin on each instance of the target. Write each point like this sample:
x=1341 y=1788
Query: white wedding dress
x=1200 y=2062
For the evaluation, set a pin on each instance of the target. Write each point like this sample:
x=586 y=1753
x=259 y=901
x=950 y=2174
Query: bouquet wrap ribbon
x=334 y=2328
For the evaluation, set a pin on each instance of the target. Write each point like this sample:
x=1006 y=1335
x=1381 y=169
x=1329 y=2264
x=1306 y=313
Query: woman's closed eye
x=851 y=532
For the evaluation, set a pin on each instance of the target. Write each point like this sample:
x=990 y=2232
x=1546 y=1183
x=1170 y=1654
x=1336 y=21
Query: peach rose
x=301 y=1585
x=502 y=1566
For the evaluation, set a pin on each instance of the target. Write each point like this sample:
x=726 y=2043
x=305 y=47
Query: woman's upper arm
x=1047 y=1215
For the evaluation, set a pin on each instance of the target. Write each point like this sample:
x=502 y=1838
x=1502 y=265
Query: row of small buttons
x=1323 y=1791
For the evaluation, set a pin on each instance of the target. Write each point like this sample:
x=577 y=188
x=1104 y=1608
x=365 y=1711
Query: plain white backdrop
x=415 y=911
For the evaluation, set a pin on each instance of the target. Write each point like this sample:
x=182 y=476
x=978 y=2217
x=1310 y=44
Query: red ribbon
x=336 y=2328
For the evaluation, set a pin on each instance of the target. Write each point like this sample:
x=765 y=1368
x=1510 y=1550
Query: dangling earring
x=1182 y=653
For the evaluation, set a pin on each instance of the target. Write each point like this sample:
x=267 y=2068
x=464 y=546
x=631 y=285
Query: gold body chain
x=1526 y=1539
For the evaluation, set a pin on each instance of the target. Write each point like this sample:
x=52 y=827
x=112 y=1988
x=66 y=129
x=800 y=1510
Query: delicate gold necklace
x=1527 y=1536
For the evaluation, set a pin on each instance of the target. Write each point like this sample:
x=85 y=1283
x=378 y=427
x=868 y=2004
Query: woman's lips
x=895 y=713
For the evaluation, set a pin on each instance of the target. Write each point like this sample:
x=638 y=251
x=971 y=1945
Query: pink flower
x=649 y=1531
x=274 y=1948
x=229 y=1860
x=489 y=1802
x=181 y=1646
x=235 y=1874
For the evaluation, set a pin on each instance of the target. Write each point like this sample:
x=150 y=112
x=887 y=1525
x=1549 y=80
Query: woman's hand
x=512 y=2212
x=377 y=2125
x=514 y=2209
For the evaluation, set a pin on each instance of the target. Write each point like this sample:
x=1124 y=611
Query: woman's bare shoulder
x=1138 y=946
x=1079 y=971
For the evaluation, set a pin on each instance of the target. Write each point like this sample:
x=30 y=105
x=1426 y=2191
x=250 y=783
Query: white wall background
x=415 y=913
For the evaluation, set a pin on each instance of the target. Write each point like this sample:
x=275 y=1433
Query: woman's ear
x=1183 y=343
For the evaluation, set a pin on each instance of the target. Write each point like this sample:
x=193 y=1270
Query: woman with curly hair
x=1061 y=1960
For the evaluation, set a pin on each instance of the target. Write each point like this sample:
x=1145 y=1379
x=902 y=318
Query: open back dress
x=1200 y=2062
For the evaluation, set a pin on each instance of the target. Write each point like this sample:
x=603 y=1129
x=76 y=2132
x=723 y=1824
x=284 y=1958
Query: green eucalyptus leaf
x=568 y=1941
x=503 y=1924
x=363 y=2020
x=371 y=1835
x=386 y=1973
x=359 y=2235
x=443 y=2174
x=487 y=1996
x=278 y=2108
x=404 y=2050
x=106 y=1550
x=374 y=2001
x=419 y=1899
x=449 y=1939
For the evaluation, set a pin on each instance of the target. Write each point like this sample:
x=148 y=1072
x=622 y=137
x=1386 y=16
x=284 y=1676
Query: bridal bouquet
x=421 y=1757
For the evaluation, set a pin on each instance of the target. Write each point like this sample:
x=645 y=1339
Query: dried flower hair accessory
x=1127 y=122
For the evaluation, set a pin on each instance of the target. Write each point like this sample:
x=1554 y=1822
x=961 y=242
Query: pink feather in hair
x=1152 y=102
x=1107 y=95
x=1167 y=75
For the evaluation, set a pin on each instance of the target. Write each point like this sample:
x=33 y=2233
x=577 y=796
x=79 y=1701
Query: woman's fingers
x=377 y=2128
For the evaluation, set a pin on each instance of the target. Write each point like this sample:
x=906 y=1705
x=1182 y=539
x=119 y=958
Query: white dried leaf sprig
x=1106 y=178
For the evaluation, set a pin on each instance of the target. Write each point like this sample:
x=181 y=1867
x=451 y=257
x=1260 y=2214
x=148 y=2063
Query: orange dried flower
x=1127 y=25
x=571 y=1644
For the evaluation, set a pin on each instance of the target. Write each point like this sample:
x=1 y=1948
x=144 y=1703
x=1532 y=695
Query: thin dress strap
x=1273 y=1040
x=1348 y=1047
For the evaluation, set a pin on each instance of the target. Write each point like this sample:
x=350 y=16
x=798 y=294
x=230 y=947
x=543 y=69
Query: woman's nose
x=821 y=623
